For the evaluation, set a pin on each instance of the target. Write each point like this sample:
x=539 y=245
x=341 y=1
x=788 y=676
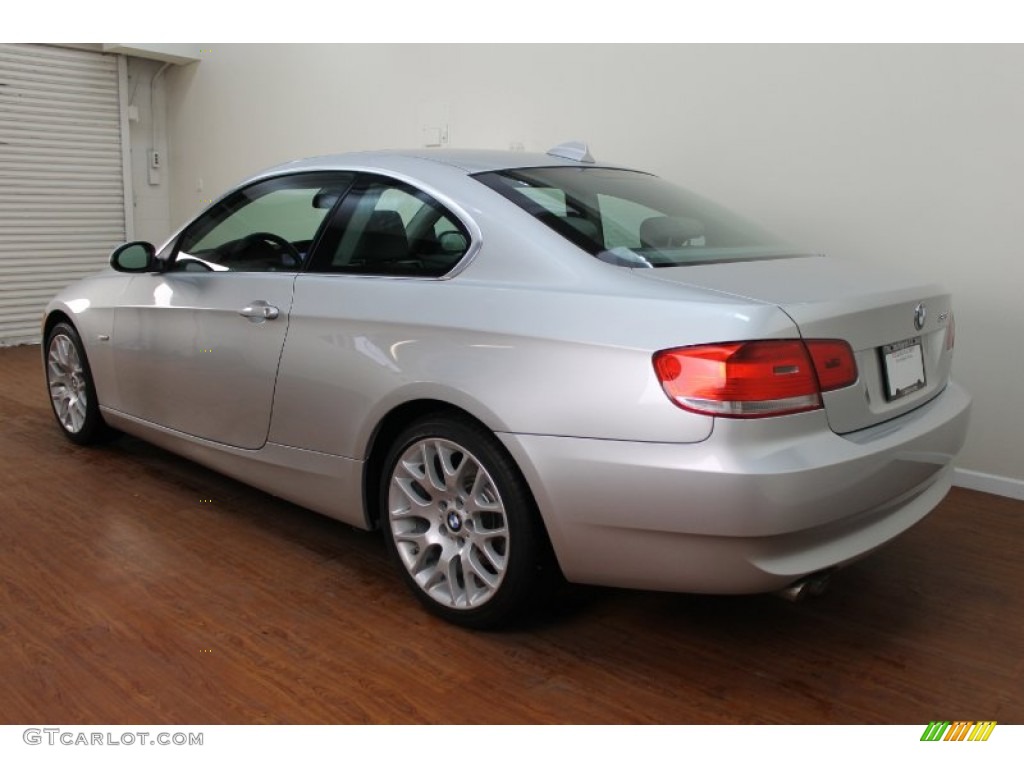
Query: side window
x=267 y=227
x=390 y=228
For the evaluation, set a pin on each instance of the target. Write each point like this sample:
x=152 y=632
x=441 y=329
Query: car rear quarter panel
x=519 y=359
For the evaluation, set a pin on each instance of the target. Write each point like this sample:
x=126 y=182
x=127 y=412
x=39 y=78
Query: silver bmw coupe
x=522 y=367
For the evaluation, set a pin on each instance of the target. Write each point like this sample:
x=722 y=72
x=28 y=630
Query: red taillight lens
x=754 y=378
x=833 y=362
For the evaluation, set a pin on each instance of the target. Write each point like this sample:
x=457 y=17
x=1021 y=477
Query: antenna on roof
x=573 y=150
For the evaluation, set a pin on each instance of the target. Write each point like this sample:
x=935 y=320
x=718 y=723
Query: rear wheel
x=459 y=520
x=72 y=393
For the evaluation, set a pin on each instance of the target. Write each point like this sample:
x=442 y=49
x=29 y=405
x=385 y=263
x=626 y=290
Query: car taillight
x=833 y=363
x=951 y=331
x=750 y=379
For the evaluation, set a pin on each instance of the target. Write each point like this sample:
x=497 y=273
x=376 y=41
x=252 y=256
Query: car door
x=197 y=346
x=365 y=294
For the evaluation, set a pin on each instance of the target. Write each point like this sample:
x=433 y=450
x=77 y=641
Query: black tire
x=70 y=387
x=434 y=533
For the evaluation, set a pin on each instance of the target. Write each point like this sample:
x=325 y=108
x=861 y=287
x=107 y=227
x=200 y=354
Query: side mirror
x=136 y=256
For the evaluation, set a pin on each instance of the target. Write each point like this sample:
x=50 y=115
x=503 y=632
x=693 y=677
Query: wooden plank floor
x=127 y=598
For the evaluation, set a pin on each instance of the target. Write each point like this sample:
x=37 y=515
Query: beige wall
x=909 y=155
x=150 y=192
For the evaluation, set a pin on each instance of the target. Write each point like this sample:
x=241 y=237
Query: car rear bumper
x=756 y=506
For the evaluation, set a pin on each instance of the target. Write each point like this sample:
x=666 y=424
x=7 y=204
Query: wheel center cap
x=454 y=521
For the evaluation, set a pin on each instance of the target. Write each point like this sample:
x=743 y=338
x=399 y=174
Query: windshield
x=634 y=219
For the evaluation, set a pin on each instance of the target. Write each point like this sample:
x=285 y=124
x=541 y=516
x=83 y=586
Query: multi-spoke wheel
x=69 y=381
x=460 y=521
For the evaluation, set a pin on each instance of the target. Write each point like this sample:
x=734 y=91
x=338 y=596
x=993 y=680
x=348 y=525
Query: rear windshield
x=633 y=219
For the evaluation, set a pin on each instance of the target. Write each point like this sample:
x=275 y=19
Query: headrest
x=669 y=231
x=386 y=222
x=327 y=197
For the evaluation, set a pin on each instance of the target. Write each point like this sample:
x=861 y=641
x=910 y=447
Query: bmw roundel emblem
x=920 y=315
x=454 y=521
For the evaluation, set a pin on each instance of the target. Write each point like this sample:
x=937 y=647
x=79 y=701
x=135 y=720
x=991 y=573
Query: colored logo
x=959 y=730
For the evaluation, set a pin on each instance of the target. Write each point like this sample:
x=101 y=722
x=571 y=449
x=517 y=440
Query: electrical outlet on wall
x=431 y=136
x=435 y=136
x=154 y=159
x=434 y=120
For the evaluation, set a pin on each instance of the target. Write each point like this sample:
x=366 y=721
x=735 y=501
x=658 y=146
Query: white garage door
x=62 y=199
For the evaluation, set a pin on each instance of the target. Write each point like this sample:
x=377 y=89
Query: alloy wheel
x=448 y=523
x=67 y=383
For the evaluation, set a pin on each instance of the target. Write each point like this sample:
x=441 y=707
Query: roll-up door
x=62 y=204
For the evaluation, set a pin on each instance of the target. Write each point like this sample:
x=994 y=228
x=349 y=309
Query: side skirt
x=321 y=482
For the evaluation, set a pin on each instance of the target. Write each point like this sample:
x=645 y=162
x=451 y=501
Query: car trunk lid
x=897 y=326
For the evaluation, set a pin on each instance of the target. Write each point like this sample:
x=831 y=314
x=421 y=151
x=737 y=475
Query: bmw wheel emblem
x=454 y=521
x=920 y=315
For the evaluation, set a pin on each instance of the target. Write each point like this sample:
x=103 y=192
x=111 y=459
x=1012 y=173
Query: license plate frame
x=903 y=364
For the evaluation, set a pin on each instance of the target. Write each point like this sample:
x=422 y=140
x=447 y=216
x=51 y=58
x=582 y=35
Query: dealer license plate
x=904 y=368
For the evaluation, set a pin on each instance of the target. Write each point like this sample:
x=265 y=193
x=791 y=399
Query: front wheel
x=72 y=392
x=461 y=523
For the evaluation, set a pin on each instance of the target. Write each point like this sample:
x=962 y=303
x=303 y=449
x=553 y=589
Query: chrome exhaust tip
x=814 y=585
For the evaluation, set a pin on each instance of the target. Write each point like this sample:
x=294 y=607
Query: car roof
x=468 y=161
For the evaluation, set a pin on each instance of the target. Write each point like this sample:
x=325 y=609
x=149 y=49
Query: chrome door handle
x=259 y=310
